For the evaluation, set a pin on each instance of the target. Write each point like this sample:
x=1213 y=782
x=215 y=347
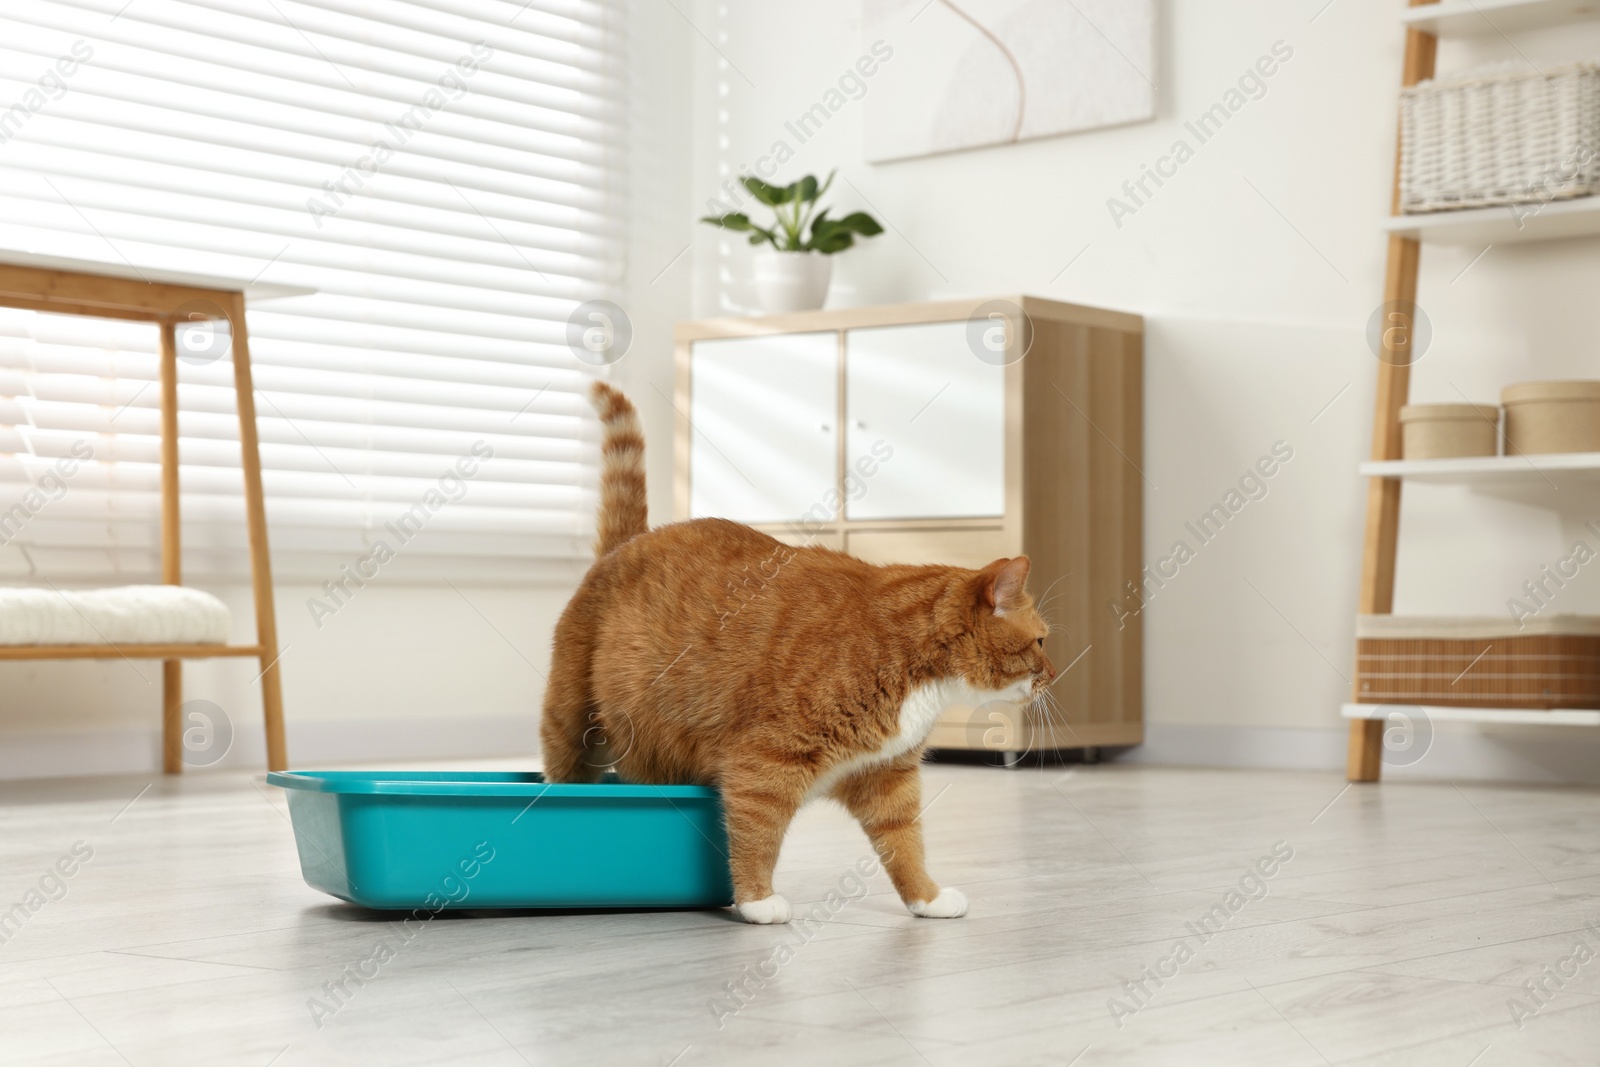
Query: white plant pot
x=792 y=281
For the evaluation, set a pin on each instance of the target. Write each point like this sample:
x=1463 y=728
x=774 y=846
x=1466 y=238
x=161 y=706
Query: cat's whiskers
x=1041 y=702
x=1041 y=706
x=1057 y=717
x=1043 y=600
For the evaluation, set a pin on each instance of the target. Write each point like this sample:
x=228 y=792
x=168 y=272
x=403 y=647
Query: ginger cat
x=706 y=652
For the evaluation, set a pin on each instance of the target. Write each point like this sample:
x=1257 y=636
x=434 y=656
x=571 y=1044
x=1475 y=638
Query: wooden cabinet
x=953 y=432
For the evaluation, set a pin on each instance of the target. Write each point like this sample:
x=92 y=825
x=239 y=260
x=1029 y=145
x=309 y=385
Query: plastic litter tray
x=442 y=840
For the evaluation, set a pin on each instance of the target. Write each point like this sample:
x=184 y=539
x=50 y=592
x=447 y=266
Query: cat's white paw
x=951 y=903
x=774 y=909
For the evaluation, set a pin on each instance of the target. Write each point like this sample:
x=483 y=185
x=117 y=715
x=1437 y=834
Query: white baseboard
x=1548 y=754
x=75 y=754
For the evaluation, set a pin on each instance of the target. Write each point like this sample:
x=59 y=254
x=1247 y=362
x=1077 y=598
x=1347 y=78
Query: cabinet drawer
x=960 y=548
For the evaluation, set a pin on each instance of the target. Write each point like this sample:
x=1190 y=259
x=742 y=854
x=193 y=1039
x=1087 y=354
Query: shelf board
x=1491 y=18
x=1552 y=221
x=1518 y=716
x=1557 y=469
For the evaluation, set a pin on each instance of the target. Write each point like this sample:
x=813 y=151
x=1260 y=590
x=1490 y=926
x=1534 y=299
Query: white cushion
x=127 y=615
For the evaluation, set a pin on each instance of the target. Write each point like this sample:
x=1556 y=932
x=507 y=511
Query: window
x=443 y=175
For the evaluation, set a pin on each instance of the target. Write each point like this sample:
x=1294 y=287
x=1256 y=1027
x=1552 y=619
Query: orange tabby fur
x=707 y=652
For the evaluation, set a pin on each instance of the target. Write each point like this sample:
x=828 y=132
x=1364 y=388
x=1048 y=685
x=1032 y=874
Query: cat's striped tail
x=623 y=511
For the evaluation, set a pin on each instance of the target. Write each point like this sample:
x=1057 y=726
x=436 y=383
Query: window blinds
x=444 y=174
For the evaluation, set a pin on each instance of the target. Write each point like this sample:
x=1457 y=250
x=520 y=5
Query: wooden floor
x=1401 y=932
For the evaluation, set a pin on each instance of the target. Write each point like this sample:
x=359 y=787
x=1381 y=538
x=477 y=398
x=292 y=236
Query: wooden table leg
x=1365 y=759
x=260 y=559
x=172 y=716
x=171 y=547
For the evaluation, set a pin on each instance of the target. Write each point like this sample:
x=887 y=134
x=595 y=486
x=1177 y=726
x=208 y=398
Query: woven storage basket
x=1500 y=137
x=1550 y=662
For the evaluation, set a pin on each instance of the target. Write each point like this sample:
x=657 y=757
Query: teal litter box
x=456 y=840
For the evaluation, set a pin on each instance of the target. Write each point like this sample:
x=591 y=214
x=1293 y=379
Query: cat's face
x=1006 y=656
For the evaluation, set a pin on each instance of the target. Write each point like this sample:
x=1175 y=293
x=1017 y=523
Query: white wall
x=1257 y=267
x=1255 y=335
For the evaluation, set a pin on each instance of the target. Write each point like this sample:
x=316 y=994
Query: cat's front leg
x=887 y=801
x=759 y=802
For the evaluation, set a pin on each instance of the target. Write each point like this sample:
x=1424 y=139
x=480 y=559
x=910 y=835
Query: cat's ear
x=1001 y=582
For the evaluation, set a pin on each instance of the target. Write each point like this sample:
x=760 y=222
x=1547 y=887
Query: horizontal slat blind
x=247 y=140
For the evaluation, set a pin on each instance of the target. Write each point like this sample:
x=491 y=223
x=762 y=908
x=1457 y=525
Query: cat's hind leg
x=566 y=726
x=887 y=801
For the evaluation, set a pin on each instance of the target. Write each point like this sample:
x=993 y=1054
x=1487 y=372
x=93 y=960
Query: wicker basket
x=1550 y=662
x=1500 y=137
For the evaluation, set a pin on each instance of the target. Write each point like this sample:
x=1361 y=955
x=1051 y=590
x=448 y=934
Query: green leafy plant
x=799 y=226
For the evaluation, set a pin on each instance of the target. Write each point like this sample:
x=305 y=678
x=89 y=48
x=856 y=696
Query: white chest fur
x=918 y=712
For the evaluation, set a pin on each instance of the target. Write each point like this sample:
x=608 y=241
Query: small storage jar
x=1552 y=417
x=1448 y=431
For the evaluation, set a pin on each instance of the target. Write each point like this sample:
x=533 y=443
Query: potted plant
x=793 y=272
